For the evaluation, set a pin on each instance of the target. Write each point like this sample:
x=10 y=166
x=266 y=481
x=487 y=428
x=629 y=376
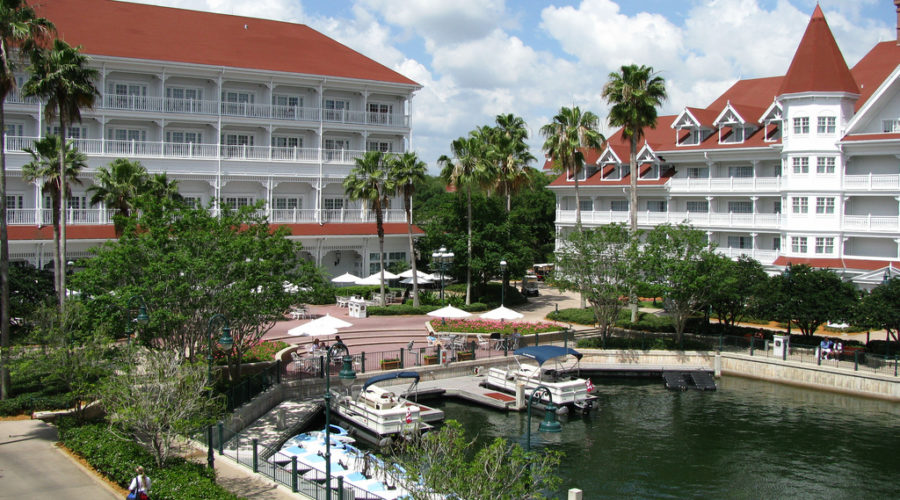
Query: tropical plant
x=466 y=170
x=509 y=151
x=369 y=181
x=404 y=172
x=635 y=92
x=20 y=32
x=160 y=186
x=61 y=77
x=44 y=167
x=566 y=138
x=118 y=186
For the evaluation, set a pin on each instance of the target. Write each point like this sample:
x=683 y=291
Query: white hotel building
x=800 y=168
x=235 y=109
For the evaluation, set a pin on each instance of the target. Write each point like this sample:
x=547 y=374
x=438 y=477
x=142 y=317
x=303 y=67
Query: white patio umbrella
x=375 y=279
x=502 y=313
x=326 y=325
x=408 y=274
x=345 y=278
x=449 y=312
x=422 y=281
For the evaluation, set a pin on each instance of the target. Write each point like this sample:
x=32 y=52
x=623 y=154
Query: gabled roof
x=148 y=32
x=741 y=113
x=698 y=117
x=818 y=64
x=756 y=92
x=773 y=112
x=874 y=67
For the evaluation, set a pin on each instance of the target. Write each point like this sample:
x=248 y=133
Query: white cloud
x=280 y=10
x=442 y=22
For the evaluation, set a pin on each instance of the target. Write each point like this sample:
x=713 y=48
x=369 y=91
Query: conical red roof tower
x=818 y=64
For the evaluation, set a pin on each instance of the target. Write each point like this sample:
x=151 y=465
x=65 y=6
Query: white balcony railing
x=724 y=184
x=763 y=256
x=872 y=182
x=153 y=104
x=877 y=223
x=653 y=218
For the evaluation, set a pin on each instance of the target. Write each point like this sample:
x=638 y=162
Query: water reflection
x=749 y=439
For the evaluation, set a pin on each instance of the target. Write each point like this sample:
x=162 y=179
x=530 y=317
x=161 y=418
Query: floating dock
x=681 y=380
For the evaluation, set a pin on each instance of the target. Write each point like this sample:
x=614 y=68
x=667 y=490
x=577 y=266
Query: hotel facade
x=237 y=110
x=800 y=168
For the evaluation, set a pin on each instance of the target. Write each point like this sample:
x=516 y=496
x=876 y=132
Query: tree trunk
x=379 y=222
x=577 y=206
x=4 y=266
x=63 y=194
x=468 y=247
x=407 y=202
x=632 y=210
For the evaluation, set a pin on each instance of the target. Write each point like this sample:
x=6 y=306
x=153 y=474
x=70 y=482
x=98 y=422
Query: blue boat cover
x=389 y=376
x=543 y=353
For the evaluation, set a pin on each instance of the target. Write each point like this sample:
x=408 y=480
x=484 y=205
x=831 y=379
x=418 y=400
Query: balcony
x=168 y=105
x=146 y=149
x=763 y=256
x=871 y=223
x=724 y=184
x=872 y=182
x=762 y=221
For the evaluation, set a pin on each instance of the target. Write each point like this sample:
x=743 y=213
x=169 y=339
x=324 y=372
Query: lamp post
x=347 y=376
x=790 y=298
x=442 y=259
x=226 y=341
x=503 y=283
x=141 y=318
x=550 y=423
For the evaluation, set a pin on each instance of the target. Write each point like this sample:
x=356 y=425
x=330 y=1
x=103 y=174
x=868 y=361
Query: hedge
x=408 y=310
x=28 y=403
x=117 y=458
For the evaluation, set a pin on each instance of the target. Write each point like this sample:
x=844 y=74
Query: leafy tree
x=737 y=287
x=442 y=462
x=118 y=186
x=566 y=138
x=189 y=265
x=21 y=30
x=880 y=309
x=368 y=181
x=635 y=93
x=676 y=262
x=158 y=399
x=160 y=186
x=61 y=77
x=597 y=263
x=29 y=288
x=44 y=166
x=466 y=170
x=810 y=297
x=404 y=172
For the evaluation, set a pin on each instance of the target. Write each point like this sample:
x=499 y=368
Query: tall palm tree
x=509 y=150
x=404 y=171
x=634 y=92
x=44 y=168
x=160 y=186
x=61 y=77
x=20 y=31
x=369 y=181
x=467 y=169
x=118 y=186
x=566 y=138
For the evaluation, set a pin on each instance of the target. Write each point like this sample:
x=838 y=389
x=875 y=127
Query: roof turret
x=818 y=64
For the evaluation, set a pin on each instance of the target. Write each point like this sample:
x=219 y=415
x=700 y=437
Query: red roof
x=756 y=92
x=874 y=67
x=120 y=29
x=861 y=264
x=818 y=64
x=873 y=137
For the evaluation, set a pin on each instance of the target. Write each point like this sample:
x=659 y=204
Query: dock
x=467 y=388
x=681 y=380
x=286 y=419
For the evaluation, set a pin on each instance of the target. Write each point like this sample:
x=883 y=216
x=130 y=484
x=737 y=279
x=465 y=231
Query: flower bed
x=490 y=326
x=262 y=351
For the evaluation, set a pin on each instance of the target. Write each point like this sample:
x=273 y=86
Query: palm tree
x=160 y=186
x=635 y=92
x=369 y=181
x=20 y=31
x=510 y=151
x=44 y=168
x=60 y=76
x=567 y=137
x=404 y=171
x=118 y=186
x=467 y=169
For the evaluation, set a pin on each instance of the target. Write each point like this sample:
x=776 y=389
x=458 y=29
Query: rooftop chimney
x=897 y=4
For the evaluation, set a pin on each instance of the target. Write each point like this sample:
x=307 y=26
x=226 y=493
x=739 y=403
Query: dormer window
x=733 y=134
x=733 y=127
x=772 y=122
x=801 y=125
x=689 y=129
x=691 y=138
x=891 y=126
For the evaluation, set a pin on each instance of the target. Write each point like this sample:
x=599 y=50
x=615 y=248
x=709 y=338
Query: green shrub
x=31 y=402
x=574 y=315
x=116 y=458
x=405 y=309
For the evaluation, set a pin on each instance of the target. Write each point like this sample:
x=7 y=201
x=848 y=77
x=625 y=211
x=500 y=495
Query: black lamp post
x=503 y=283
x=347 y=376
x=442 y=259
x=141 y=318
x=550 y=423
x=226 y=341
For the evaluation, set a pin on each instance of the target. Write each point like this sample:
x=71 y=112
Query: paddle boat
x=567 y=390
x=380 y=415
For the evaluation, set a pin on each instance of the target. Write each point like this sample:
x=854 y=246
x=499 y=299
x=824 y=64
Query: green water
x=749 y=439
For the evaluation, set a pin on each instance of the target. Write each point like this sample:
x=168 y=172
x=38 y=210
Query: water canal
x=749 y=439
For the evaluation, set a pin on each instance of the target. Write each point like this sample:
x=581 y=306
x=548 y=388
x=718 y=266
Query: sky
x=476 y=59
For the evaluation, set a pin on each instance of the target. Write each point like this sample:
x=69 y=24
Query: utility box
x=357 y=309
x=781 y=346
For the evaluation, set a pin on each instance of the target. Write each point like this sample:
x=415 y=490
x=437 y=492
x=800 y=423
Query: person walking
x=139 y=489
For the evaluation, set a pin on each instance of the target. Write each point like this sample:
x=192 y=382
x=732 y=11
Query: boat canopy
x=544 y=353
x=389 y=376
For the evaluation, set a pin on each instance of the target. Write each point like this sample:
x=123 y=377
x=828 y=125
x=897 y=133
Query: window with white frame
x=236 y=202
x=800 y=164
x=383 y=146
x=587 y=205
x=800 y=205
x=126 y=95
x=618 y=205
x=801 y=125
x=740 y=207
x=776 y=243
x=184 y=137
x=825 y=165
x=891 y=126
x=334 y=148
x=698 y=206
x=184 y=93
x=290 y=101
x=824 y=205
x=333 y=203
x=692 y=137
x=193 y=201
x=389 y=258
x=824 y=245
x=126 y=134
x=826 y=125
x=335 y=109
x=740 y=242
x=776 y=207
x=238 y=97
x=798 y=244
x=380 y=112
x=78 y=206
x=656 y=205
x=283 y=141
x=15 y=202
x=698 y=172
x=14 y=129
x=71 y=132
x=741 y=171
x=288 y=203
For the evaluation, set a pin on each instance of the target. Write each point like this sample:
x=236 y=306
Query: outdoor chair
x=496 y=340
x=483 y=343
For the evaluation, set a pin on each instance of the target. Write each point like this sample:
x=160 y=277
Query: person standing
x=139 y=489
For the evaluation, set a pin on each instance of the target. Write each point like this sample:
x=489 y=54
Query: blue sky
x=479 y=58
